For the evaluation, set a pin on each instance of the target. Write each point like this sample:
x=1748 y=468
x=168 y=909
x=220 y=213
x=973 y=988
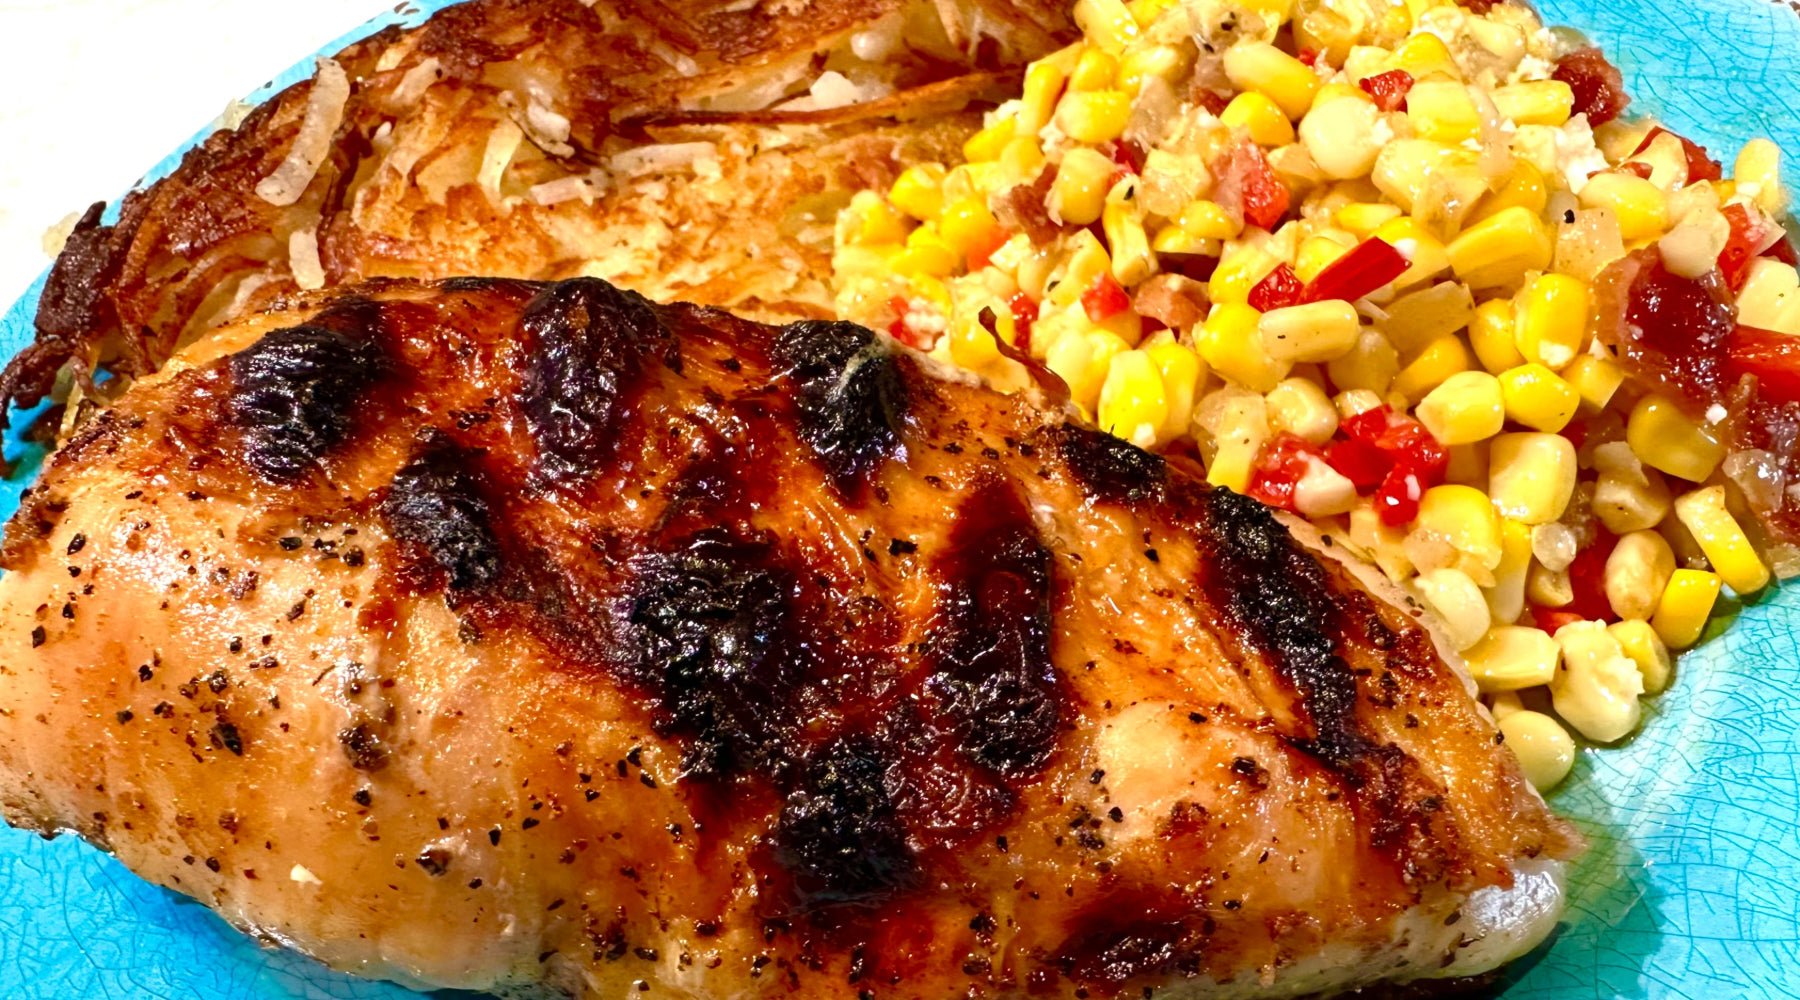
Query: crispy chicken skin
x=485 y=633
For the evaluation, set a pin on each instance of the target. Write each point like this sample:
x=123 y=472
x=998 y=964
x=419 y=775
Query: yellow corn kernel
x=968 y=226
x=1670 y=441
x=1537 y=102
x=1501 y=248
x=1641 y=208
x=1235 y=423
x=1369 y=365
x=1466 y=407
x=1439 y=360
x=1770 y=298
x=1546 y=753
x=1134 y=402
x=1329 y=92
x=1364 y=217
x=1106 y=23
x=1086 y=262
x=1522 y=187
x=1442 y=110
x=1256 y=114
x=1424 y=252
x=1082 y=360
x=1146 y=62
x=1325 y=30
x=1536 y=397
x=1531 y=476
x=1207 y=219
x=926 y=253
x=1299 y=407
x=1022 y=160
x=1463 y=517
x=1627 y=496
x=1182 y=373
x=1147 y=11
x=1315 y=255
x=1262 y=67
x=870 y=221
x=1093 y=116
x=1595 y=380
x=1095 y=70
x=1340 y=136
x=1758 y=172
x=1178 y=240
x=1232 y=345
x=1132 y=261
x=1512 y=658
x=1553 y=319
x=986 y=145
x=1238 y=272
x=1424 y=55
x=1316 y=331
x=1458 y=603
x=1078 y=193
x=1044 y=82
x=919 y=191
x=1637 y=570
x=1492 y=335
x=1723 y=540
x=1274 y=13
x=1645 y=648
x=971 y=346
x=1506 y=598
x=1415 y=172
x=1596 y=690
x=1686 y=604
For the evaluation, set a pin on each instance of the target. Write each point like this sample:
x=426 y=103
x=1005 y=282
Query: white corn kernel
x=1543 y=747
x=1512 y=657
x=1531 y=476
x=1597 y=688
x=1458 y=603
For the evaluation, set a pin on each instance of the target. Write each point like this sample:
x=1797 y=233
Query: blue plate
x=1691 y=887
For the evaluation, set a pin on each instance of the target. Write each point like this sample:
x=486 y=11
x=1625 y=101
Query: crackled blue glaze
x=1691 y=888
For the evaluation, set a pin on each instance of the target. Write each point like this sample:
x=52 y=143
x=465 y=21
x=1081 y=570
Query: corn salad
x=1346 y=252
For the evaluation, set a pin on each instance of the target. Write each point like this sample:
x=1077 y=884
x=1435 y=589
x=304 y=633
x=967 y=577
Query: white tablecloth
x=94 y=92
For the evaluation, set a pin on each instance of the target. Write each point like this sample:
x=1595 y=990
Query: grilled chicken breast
x=490 y=633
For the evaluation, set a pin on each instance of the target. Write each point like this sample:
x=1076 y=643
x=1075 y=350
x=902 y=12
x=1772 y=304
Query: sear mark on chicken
x=851 y=397
x=435 y=502
x=993 y=635
x=292 y=395
x=587 y=342
x=1111 y=469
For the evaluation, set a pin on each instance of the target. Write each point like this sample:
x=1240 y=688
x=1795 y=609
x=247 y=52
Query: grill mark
x=1132 y=933
x=839 y=835
x=851 y=396
x=292 y=391
x=992 y=645
x=1109 y=468
x=586 y=344
x=1278 y=597
x=435 y=503
x=706 y=629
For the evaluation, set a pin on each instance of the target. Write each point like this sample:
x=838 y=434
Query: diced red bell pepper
x=979 y=255
x=1281 y=288
x=1105 y=300
x=1587 y=579
x=1388 y=89
x=1280 y=465
x=900 y=331
x=1700 y=164
x=1783 y=251
x=1025 y=313
x=1403 y=440
x=1265 y=198
x=1740 y=245
x=1309 y=57
x=1360 y=462
x=1127 y=154
x=1774 y=358
x=1397 y=498
x=1551 y=619
x=1364 y=270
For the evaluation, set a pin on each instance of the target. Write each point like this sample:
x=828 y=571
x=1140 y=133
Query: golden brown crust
x=401 y=192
